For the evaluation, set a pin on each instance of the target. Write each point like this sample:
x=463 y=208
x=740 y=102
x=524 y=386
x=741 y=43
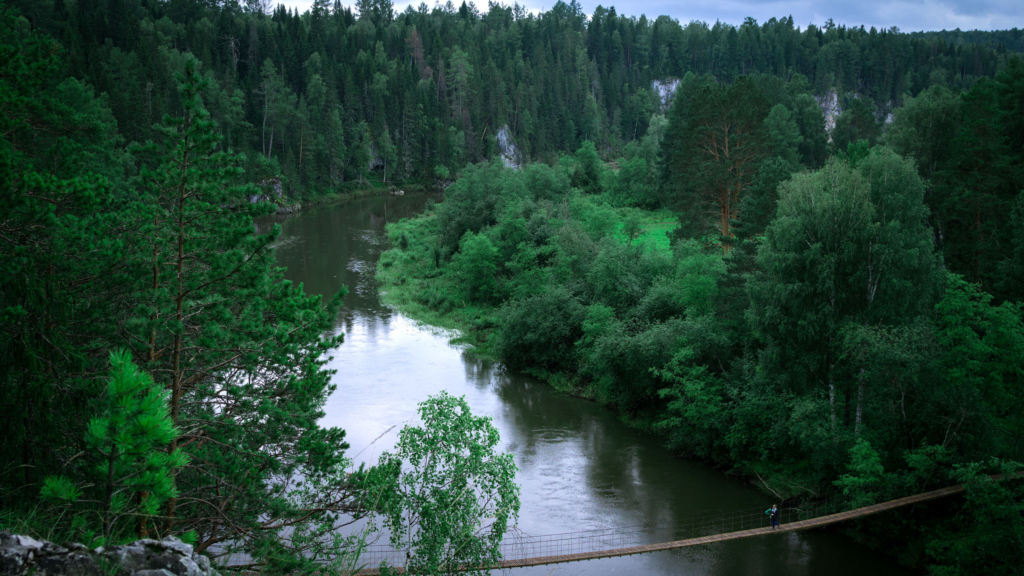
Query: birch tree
x=848 y=250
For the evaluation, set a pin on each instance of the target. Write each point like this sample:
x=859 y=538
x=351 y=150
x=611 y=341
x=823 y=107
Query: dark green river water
x=580 y=467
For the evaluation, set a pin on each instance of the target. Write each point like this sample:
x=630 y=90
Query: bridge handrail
x=789 y=526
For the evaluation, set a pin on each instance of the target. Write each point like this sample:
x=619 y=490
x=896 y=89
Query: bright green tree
x=457 y=495
x=133 y=469
x=475 y=265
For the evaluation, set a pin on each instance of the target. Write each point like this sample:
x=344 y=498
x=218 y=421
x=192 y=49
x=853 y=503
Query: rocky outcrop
x=23 y=556
x=666 y=91
x=830 y=109
x=510 y=154
x=270 y=191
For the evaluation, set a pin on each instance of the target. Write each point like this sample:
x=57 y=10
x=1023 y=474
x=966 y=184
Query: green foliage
x=983 y=352
x=994 y=510
x=864 y=484
x=59 y=168
x=698 y=276
x=475 y=265
x=155 y=253
x=696 y=414
x=716 y=139
x=975 y=190
x=233 y=343
x=758 y=206
x=474 y=201
x=314 y=97
x=968 y=146
x=597 y=218
x=132 y=475
x=846 y=246
x=855 y=152
x=924 y=128
x=632 y=227
x=587 y=168
x=1013 y=267
x=784 y=134
x=857 y=122
x=633 y=184
x=456 y=494
x=814 y=144
x=825 y=354
x=778 y=364
x=540 y=330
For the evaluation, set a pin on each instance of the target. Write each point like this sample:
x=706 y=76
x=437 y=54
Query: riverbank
x=424 y=284
x=580 y=466
x=295 y=206
x=413 y=280
x=686 y=342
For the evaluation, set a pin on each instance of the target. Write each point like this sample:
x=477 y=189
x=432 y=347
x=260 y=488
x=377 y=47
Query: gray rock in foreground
x=23 y=556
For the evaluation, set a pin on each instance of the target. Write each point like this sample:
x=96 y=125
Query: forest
x=795 y=253
x=831 y=313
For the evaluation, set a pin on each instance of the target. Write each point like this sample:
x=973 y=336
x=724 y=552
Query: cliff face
x=510 y=154
x=830 y=108
x=666 y=90
x=23 y=555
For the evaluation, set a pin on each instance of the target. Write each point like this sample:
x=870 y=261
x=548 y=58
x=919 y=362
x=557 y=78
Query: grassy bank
x=373 y=188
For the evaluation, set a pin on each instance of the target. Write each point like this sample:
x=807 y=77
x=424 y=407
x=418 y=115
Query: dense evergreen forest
x=794 y=252
x=323 y=98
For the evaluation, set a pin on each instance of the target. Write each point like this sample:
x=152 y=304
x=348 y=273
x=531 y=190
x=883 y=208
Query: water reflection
x=580 y=467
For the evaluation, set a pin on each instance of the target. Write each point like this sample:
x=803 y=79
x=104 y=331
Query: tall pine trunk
x=179 y=300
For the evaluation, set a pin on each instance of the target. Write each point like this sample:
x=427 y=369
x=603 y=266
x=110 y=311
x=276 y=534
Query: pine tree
x=233 y=344
x=715 y=143
x=133 y=471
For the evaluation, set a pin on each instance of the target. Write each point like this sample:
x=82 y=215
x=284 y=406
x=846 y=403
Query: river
x=580 y=468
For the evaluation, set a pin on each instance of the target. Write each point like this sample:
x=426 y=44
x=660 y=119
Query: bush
x=474 y=267
x=622 y=363
x=540 y=330
x=474 y=201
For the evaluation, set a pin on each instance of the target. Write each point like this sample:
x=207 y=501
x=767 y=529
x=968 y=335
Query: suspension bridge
x=520 y=550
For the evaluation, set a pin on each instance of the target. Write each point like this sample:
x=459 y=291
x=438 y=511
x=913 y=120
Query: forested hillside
x=793 y=252
x=322 y=98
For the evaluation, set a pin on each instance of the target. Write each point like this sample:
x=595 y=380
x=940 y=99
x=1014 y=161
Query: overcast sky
x=908 y=15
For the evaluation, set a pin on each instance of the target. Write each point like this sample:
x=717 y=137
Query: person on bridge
x=773 y=513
